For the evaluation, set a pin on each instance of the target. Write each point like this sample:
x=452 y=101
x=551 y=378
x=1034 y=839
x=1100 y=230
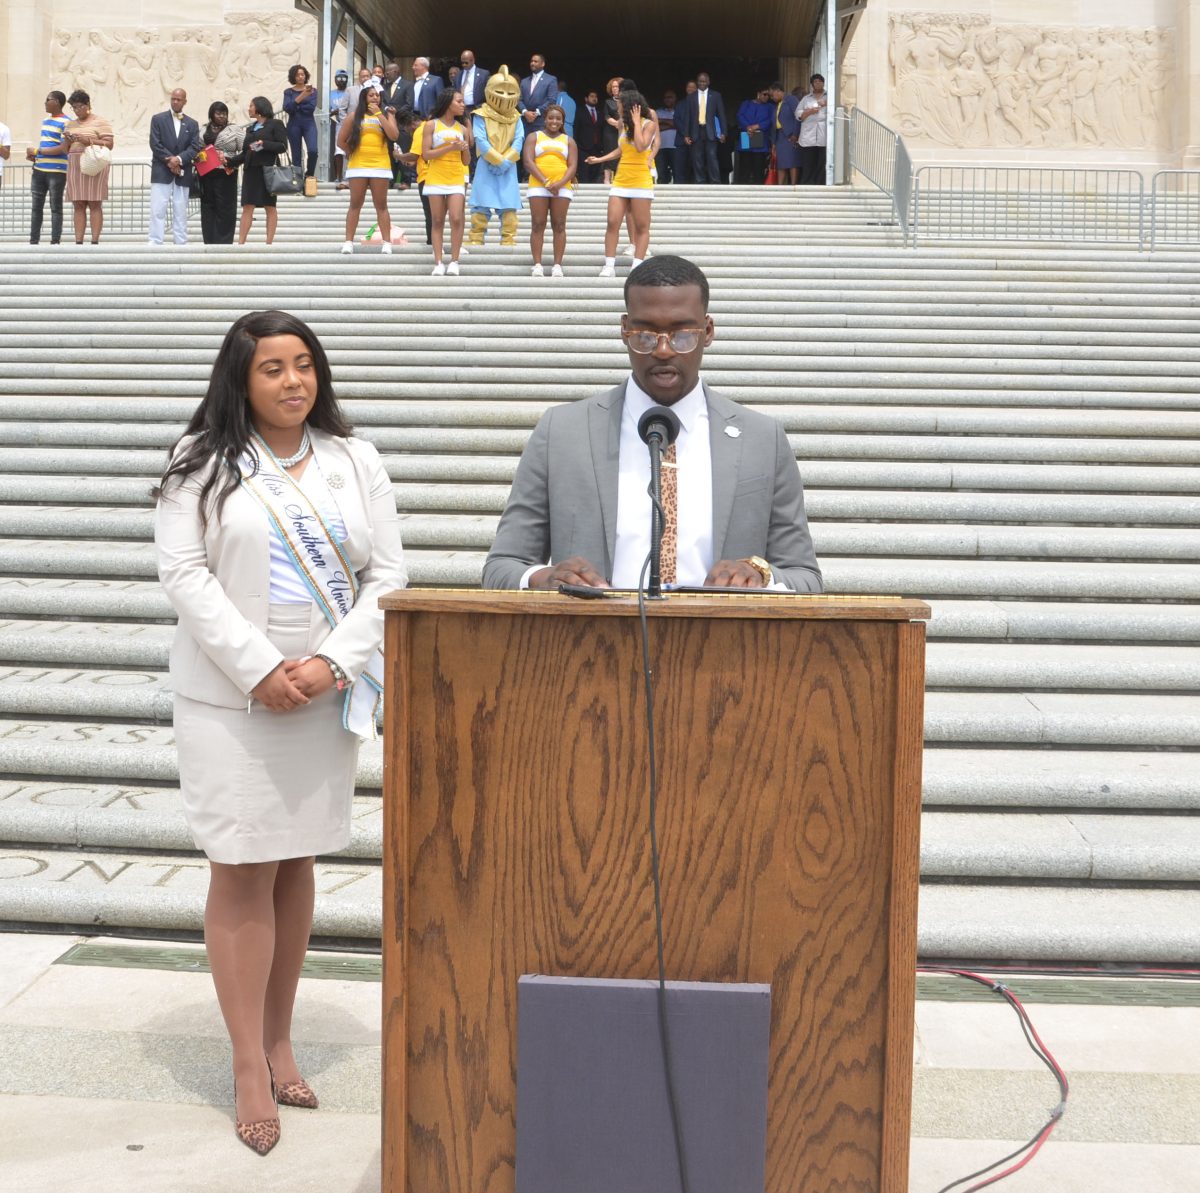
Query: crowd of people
x=432 y=133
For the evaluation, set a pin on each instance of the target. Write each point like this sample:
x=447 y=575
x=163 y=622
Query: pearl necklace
x=292 y=461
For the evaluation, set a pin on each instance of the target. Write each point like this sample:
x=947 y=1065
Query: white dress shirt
x=693 y=459
x=467 y=86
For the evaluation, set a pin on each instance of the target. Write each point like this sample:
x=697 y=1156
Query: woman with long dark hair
x=447 y=150
x=276 y=533
x=219 y=187
x=365 y=138
x=300 y=104
x=633 y=184
x=266 y=139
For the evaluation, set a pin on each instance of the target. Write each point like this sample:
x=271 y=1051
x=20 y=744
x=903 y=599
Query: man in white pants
x=174 y=143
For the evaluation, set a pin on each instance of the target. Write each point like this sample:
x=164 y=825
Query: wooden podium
x=789 y=735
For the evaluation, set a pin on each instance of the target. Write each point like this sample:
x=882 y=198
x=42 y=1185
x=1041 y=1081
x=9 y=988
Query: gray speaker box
x=593 y=1114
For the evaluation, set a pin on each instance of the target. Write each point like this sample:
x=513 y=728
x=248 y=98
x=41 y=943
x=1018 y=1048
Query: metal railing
x=880 y=156
x=126 y=210
x=1028 y=203
x=1174 y=208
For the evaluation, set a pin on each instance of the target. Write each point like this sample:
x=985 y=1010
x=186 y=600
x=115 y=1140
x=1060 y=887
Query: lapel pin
x=335 y=480
x=733 y=432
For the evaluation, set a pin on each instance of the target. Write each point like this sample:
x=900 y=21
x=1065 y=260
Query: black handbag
x=283 y=179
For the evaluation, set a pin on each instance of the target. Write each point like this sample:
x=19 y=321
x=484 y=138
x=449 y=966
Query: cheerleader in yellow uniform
x=445 y=148
x=364 y=140
x=633 y=185
x=551 y=161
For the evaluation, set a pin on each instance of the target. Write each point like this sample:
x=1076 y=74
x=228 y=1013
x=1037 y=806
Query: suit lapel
x=726 y=449
x=604 y=433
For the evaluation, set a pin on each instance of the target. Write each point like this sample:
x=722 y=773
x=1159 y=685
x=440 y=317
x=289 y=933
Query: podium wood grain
x=516 y=842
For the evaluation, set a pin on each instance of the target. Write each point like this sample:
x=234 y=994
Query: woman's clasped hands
x=293 y=684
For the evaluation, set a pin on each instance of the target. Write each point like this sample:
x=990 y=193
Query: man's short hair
x=58 y=98
x=668 y=271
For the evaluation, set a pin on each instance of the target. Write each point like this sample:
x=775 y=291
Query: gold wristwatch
x=763 y=568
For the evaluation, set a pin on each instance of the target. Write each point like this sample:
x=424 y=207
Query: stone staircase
x=1009 y=433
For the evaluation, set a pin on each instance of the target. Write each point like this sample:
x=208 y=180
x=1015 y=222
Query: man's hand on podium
x=734 y=573
x=575 y=570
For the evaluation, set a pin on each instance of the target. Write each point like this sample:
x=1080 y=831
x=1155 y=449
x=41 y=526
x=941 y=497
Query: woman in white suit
x=277 y=533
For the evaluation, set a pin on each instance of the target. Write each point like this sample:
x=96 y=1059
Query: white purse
x=95 y=159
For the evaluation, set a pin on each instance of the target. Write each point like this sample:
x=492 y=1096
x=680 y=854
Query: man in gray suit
x=579 y=513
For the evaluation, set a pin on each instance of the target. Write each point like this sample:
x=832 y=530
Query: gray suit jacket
x=564 y=496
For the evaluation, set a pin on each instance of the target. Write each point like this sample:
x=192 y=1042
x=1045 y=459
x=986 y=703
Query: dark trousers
x=303 y=129
x=428 y=213
x=812 y=165
x=664 y=161
x=705 y=166
x=683 y=161
x=41 y=184
x=218 y=207
x=751 y=167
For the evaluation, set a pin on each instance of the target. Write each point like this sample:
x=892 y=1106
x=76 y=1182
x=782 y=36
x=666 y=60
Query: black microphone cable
x=663 y=1026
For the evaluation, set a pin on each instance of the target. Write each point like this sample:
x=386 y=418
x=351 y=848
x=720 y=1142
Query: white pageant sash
x=317 y=556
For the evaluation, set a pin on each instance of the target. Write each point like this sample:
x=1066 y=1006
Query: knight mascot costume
x=499 y=136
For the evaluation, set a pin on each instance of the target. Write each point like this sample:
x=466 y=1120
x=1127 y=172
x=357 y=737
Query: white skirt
x=445 y=190
x=262 y=786
x=632 y=192
x=540 y=192
x=364 y=172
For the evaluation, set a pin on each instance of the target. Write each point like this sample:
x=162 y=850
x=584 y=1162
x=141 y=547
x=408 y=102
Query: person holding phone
x=812 y=113
x=364 y=139
x=265 y=140
x=300 y=104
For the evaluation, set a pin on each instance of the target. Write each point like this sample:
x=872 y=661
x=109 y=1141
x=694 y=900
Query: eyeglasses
x=685 y=339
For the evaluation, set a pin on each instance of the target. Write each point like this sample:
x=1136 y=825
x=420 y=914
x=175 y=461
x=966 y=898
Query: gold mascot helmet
x=502 y=93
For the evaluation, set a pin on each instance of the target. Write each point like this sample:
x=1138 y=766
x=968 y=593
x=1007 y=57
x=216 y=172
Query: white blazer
x=219 y=581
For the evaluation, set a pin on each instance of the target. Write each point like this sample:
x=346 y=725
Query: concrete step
x=1055 y=923
x=1136 y=780
x=96 y=815
x=165 y=892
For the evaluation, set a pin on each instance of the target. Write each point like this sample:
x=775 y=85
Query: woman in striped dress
x=86 y=191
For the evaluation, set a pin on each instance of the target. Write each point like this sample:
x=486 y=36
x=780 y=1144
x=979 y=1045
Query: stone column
x=24 y=81
x=1187 y=23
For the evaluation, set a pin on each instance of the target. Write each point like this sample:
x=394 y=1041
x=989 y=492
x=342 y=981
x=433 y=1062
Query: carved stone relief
x=959 y=80
x=129 y=73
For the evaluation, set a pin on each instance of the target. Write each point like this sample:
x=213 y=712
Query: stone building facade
x=1078 y=81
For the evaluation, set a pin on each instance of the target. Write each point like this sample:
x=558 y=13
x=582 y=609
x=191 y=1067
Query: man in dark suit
x=579 y=512
x=538 y=89
x=589 y=125
x=703 y=125
x=174 y=143
x=397 y=92
x=472 y=80
x=425 y=88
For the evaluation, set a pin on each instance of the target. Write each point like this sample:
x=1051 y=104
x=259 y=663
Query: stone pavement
x=114 y=1076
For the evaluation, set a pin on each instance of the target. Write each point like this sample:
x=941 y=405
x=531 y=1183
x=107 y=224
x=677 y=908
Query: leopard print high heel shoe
x=294 y=1093
x=263 y=1134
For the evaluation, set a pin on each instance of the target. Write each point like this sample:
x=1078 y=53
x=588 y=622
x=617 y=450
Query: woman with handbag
x=89 y=159
x=265 y=140
x=276 y=533
x=218 y=179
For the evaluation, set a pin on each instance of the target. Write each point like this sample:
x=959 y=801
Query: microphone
x=659 y=427
x=661 y=422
